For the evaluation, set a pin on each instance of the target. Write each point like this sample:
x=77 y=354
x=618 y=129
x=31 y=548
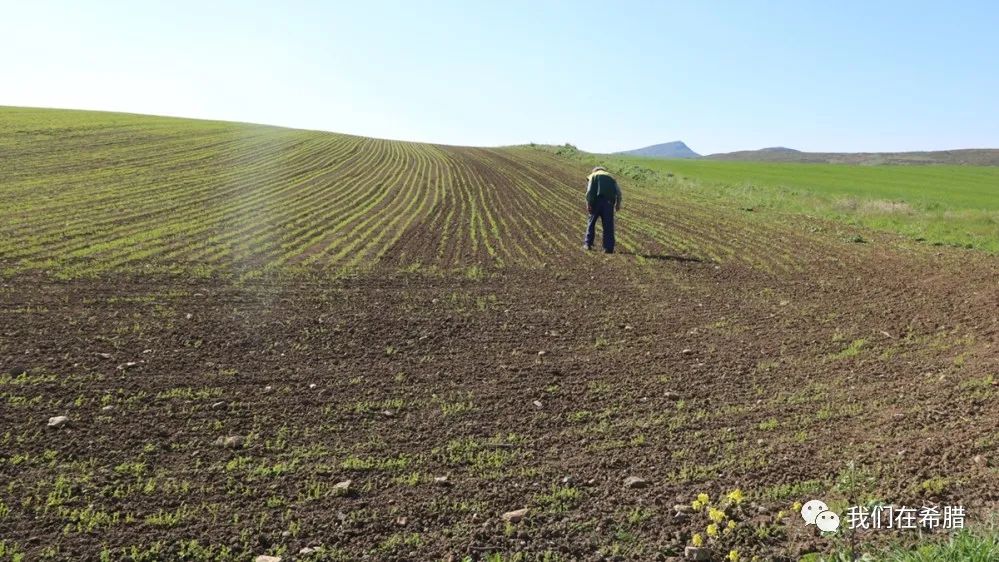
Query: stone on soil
x=231 y=441
x=515 y=516
x=696 y=553
x=635 y=482
x=342 y=487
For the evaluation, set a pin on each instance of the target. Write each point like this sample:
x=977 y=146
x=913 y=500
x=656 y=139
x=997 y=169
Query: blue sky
x=837 y=76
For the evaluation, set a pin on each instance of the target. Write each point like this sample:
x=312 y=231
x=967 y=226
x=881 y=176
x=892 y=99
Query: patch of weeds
x=89 y=519
x=11 y=551
x=598 y=388
x=980 y=388
x=170 y=518
x=638 y=515
x=457 y=404
x=456 y=408
x=367 y=407
x=411 y=479
x=480 y=457
x=768 y=425
x=401 y=540
x=134 y=468
x=190 y=393
x=356 y=463
x=857 y=484
x=766 y=366
x=796 y=490
x=851 y=350
x=558 y=499
x=935 y=485
x=275 y=470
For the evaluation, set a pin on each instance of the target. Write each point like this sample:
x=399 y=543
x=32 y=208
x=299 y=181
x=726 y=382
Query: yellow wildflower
x=716 y=515
x=796 y=506
x=697 y=540
x=703 y=498
x=733 y=555
x=731 y=524
x=696 y=505
x=712 y=530
x=736 y=496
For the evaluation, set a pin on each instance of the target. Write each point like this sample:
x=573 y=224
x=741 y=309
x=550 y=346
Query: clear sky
x=606 y=76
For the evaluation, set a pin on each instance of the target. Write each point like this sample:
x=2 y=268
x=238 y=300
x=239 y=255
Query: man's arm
x=617 y=188
x=591 y=194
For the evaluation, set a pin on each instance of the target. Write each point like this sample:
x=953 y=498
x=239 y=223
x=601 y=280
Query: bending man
x=603 y=197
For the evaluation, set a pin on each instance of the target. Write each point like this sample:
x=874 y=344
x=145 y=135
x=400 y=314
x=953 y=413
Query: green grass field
x=954 y=205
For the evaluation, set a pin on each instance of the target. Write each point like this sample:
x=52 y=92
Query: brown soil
x=697 y=376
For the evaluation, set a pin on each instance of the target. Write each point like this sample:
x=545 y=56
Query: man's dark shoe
x=587 y=248
x=608 y=251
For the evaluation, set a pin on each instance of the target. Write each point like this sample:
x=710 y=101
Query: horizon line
x=525 y=143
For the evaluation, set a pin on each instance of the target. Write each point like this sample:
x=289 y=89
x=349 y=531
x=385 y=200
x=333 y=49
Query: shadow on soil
x=664 y=257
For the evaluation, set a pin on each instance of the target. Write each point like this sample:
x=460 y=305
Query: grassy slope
x=956 y=205
x=88 y=193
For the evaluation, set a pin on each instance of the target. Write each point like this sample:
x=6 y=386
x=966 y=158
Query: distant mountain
x=971 y=156
x=968 y=156
x=675 y=149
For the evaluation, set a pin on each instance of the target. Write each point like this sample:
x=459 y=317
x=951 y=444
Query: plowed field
x=238 y=319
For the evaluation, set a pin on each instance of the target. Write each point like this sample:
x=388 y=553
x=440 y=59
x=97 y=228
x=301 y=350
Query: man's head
x=599 y=169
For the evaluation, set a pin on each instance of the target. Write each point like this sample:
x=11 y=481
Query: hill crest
x=675 y=149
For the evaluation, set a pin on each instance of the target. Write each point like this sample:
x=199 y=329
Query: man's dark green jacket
x=602 y=185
